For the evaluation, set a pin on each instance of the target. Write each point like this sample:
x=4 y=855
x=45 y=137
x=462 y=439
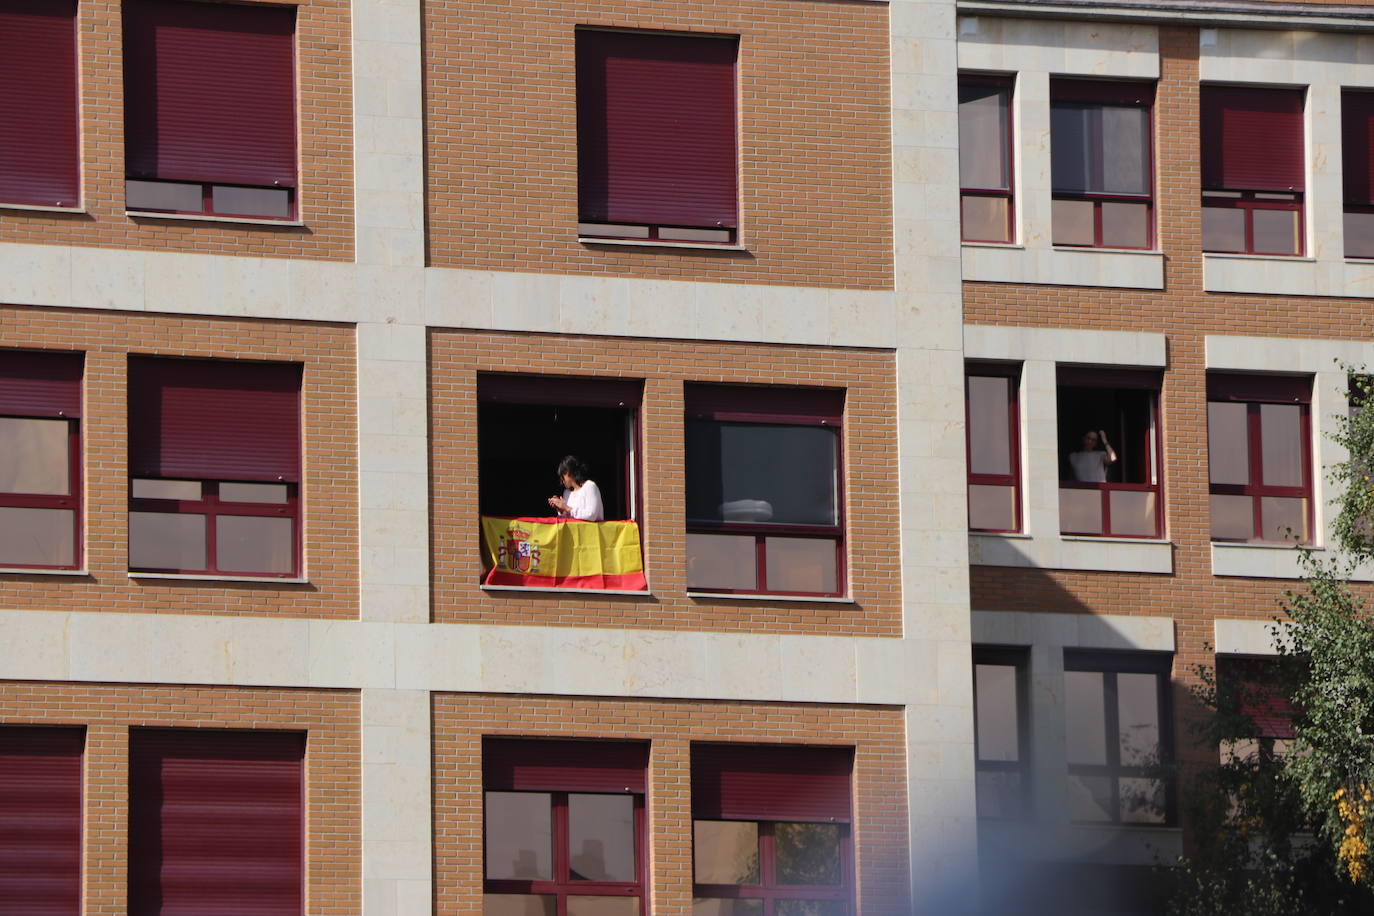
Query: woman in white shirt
x=1090 y=462
x=581 y=499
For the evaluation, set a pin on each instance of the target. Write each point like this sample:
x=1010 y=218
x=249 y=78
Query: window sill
x=38 y=208
x=736 y=596
x=566 y=591
x=1089 y=249
x=1238 y=256
x=1267 y=545
x=1000 y=246
x=1009 y=535
x=23 y=571
x=1096 y=539
x=657 y=243
x=208 y=218
x=195 y=577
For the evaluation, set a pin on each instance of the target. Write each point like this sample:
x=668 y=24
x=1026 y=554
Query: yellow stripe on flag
x=563 y=553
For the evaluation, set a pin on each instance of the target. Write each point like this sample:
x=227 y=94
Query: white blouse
x=585 y=503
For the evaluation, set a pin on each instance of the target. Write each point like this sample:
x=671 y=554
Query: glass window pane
x=1125 y=150
x=1223 y=228
x=1276 y=231
x=1228 y=452
x=721 y=561
x=801 y=565
x=808 y=854
x=726 y=852
x=759 y=472
x=249 y=543
x=518 y=905
x=163 y=195
x=1142 y=801
x=1359 y=235
x=1125 y=225
x=999 y=793
x=1089 y=797
x=1085 y=717
x=603 y=906
x=275 y=493
x=183 y=490
x=1281 y=444
x=519 y=828
x=809 y=908
x=1233 y=518
x=273 y=203
x=1134 y=513
x=1080 y=511
x=983 y=137
x=34 y=456
x=989 y=418
x=37 y=537
x=1137 y=704
x=1072 y=222
x=998 y=726
x=601 y=831
x=163 y=540
x=708 y=906
x=1070 y=153
x=991 y=508
x=986 y=219
x=1284 y=519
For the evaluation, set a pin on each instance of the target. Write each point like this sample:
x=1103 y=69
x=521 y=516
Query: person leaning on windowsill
x=581 y=497
x=1089 y=463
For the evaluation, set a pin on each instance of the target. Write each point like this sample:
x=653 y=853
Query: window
x=564 y=827
x=656 y=137
x=1000 y=732
x=39 y=145
x=1100 y=143
x=1109 y=447
x=210 y=108
x=1250 y=687
x=985 y=157
x=1117 y=737
x=40 y=820
x=994 y=471
x=1253 y=170
x=216 y=822
x=1357 y=147
x=771 y=831
x=214 y=459
x=1259 y=457
x=40 y=459
x=764 y=504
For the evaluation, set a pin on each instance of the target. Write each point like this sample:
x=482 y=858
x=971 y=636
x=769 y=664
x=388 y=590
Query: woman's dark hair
x=571 y=464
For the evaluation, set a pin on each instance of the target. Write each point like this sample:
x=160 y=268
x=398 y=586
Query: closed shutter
x=215 y=823
x=773 y=783
x=1357 y=146
x=40 y=821
x=656 y=129
x=210 y=92
x=1252 y=139
x=1098 y=377
x=537 y=765
x=39 y=150
x=1260 y=699
x=40 y=384
x=1273 y=389
x=214 y=419
x=782 y=405
x=559 y=391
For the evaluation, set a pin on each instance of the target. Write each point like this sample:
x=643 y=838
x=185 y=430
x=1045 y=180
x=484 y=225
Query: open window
x=1357 y=153
x=1109 y=477
x=994 y=453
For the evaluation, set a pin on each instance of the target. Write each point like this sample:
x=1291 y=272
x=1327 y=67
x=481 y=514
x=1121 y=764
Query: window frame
x=1357 y=157
x=1007 y=83
x=768 y=889
x=1011 y=372
x=760 y=414
x=212 y=507
x=1018 y=659
x=1117 y=93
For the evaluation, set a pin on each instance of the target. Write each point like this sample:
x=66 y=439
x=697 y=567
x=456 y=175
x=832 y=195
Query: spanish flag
x=563 y=553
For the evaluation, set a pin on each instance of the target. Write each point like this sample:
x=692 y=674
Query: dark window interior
x=786 y=473
x=520 y=445
x=1126 y=414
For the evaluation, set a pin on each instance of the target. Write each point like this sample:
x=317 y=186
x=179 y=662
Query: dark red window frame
x=1012 y=372
x=41 y=811
x=1117 y=93
x=1148 y=380
x=771 y=785
x=1253 y=391
x=1254 y=155
x=559 y=768
x=1006 y=84
x=38 y=384
x=40 y=149
x=1019 y=660
x=1357 y=153
x=778 y=407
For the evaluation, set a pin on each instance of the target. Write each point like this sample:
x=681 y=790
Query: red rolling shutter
x=210 y=92
x=656 y=129
x=537 y=765
x=783 y=405
x=216 y=823
x=1095 y=377
x=40 y=384
x=1273 y=389
x=1270 y=710
x=1252 y=139
x=40 y=821
x=560 y=391
x=214 y=419
x=39 y=149
x=1357 y=146
x=773 y=783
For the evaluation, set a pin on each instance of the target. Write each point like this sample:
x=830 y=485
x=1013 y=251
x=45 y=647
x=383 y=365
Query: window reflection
x=519 y=836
